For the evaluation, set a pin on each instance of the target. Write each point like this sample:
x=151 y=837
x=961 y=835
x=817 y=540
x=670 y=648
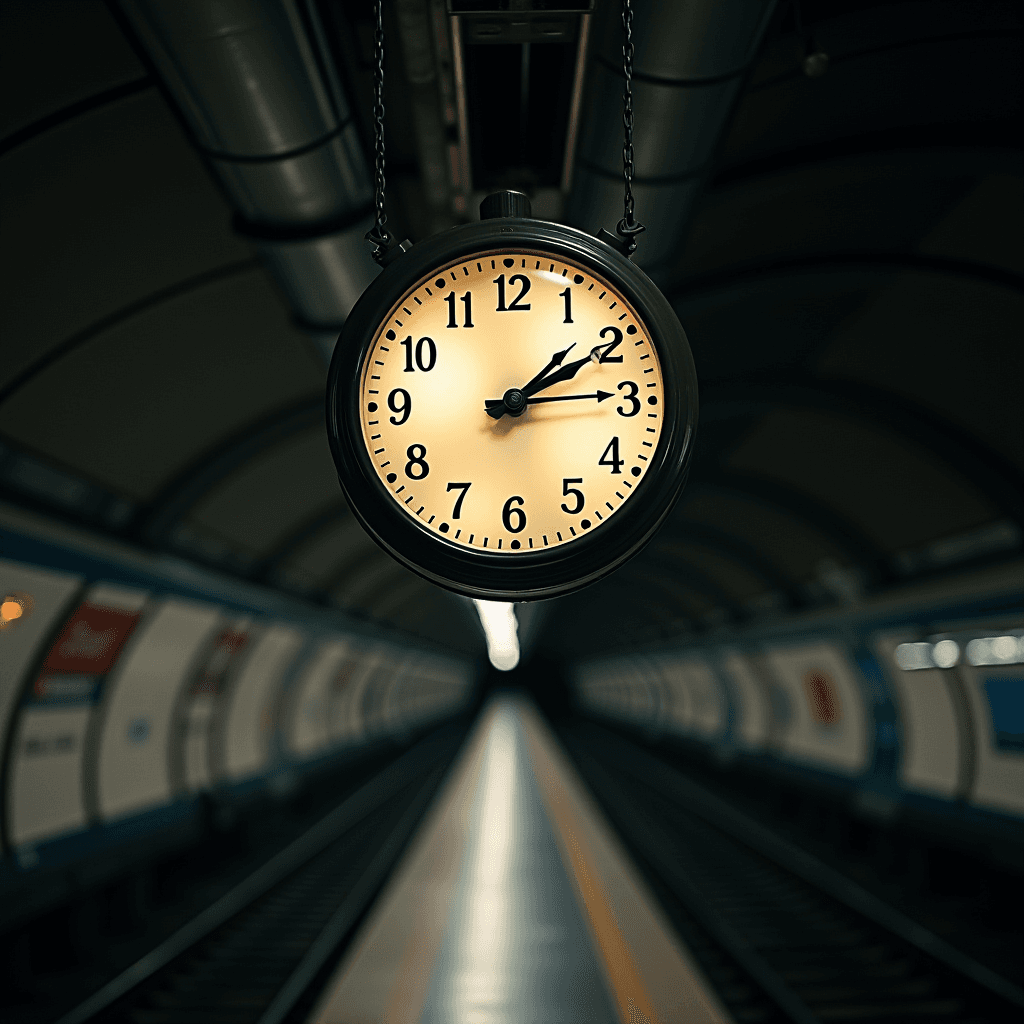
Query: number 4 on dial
x=610 y=456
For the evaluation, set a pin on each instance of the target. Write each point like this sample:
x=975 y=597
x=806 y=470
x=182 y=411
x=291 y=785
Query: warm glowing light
x=10 y=610
x=498 y=619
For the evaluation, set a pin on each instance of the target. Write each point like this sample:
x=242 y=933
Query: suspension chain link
x=629 y=227
x=379 y=234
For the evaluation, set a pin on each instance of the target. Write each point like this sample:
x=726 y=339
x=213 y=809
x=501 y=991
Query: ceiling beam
x=806 y=275
x=992 y=475
x=843 y=534
x=118 y=316
x=266 y=569
x=735 y=548
x=155 y=523
x=672 y=564
x=349 y=564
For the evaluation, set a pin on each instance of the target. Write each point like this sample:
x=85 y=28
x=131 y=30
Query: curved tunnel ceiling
x=851 y=282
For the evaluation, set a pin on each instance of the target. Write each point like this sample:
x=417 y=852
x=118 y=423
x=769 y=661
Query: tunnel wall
x=137 y=692
x=874 y=705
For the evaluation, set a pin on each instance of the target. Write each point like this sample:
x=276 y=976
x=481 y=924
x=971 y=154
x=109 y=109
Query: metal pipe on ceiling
x=689 y=63
x=416 y=31
x=256 y=86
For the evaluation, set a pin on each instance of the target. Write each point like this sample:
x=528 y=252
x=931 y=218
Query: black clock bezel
x=531 y=575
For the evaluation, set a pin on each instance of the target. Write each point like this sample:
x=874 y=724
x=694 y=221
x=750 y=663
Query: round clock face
x=511 y=402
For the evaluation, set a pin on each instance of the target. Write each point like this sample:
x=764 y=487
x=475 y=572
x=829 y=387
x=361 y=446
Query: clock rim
x=531 y=575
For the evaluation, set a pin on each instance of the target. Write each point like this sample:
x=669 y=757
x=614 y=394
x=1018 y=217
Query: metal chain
x=629 y=227
x=379 y=234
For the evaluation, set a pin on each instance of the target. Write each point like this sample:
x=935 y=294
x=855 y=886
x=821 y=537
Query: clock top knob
x=505 y=204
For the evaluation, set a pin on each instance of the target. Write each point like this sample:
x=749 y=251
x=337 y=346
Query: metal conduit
x=690 y=59
x=254 y=82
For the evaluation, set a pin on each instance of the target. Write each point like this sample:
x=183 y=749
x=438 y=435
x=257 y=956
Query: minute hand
x=599 y=395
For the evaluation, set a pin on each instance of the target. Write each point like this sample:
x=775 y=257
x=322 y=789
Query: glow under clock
x=511 y=403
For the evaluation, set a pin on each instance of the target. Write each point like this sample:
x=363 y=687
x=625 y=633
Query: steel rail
x=671 y=783
x=367 y=799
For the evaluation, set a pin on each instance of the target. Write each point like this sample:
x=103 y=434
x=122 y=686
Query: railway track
x=257 y=954
x=780 y=935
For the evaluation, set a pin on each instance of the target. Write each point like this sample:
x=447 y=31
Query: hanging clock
x=511 y=407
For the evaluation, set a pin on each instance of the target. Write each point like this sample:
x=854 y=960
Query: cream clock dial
x=511 y=402
x=511 y=407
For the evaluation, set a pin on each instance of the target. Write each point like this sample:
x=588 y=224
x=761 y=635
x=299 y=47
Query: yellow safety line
x=632 y=998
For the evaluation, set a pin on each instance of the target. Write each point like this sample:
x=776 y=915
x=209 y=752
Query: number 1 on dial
x=567 y=295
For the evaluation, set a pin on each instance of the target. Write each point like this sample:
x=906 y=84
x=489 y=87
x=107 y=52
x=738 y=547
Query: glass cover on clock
x=511 y=402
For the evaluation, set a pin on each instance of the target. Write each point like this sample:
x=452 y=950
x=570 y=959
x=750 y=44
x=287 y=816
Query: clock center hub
x=515 y=401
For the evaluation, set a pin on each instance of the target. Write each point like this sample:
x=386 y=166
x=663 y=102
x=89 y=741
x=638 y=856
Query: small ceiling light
x=996 y=650
x=946 y=653
x=1004 y=648
x=978 y=651
x=912 y=657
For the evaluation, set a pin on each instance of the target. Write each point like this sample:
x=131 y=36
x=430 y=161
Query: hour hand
x=514 y=401
x=567 y=372
x=556 y=360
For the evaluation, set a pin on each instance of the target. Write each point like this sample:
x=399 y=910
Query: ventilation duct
x=254 y=81
x=689 y=63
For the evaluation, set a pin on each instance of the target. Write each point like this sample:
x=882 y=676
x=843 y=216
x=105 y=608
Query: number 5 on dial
x=567 y=490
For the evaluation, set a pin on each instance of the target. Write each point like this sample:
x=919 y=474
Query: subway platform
x=515 y=902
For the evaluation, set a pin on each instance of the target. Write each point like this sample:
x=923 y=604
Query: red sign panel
x=823 y=698
x=91 y=640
